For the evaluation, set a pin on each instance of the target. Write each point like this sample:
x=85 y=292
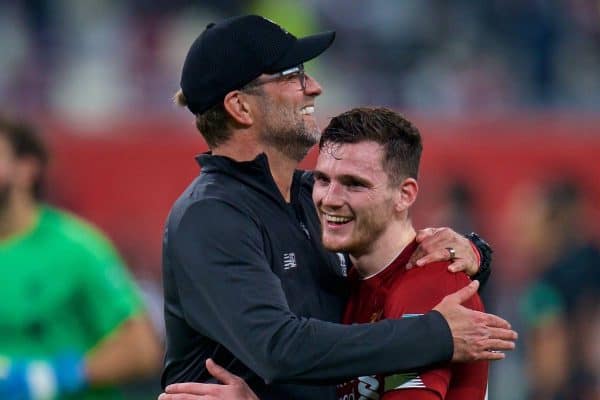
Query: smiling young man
x=365 y=184
x=247 y=281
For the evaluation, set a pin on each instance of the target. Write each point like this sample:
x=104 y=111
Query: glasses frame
x=298 y=71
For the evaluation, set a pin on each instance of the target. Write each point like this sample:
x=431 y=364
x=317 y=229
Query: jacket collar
x=255 y=173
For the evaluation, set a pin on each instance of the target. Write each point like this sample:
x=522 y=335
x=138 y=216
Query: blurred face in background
x=17 y=174
x=353 y=196
x=8 y=166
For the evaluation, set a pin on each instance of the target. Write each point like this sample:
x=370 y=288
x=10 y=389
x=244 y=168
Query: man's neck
x=282 y=170
x=247 y=149
x=18 y=216
x=385 y=249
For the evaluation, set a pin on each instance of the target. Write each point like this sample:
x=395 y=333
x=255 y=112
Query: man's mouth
x=336 y=219
x=308 y=110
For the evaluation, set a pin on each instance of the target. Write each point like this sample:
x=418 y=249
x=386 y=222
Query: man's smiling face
x=353 y=196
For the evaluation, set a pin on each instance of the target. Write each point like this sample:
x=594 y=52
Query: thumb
x=462 y=295
x=219 y=372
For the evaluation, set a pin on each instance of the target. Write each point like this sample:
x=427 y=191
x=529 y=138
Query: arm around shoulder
x=229 y=291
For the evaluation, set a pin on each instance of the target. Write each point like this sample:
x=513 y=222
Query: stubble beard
x=287 y=132
x=369 y=227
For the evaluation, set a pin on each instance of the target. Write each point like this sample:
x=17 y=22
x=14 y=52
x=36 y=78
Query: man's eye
x=356 y=185
x=321 y=179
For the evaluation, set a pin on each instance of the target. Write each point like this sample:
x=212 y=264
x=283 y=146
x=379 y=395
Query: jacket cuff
x=442 y=329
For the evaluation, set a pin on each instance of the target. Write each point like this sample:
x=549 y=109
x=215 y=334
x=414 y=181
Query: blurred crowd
x=95 y=58
x=98 y=61
x=546 y=282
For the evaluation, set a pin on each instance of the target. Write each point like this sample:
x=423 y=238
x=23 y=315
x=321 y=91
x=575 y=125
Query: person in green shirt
x=72 y=321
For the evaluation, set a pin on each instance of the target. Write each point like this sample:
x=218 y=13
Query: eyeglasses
x=288 y=74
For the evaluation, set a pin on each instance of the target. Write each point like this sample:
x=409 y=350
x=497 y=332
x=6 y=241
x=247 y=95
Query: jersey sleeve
x=228 y=292
x=110 y=294
x=422 y=289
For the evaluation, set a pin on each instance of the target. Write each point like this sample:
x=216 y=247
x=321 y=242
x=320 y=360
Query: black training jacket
x=248 y=283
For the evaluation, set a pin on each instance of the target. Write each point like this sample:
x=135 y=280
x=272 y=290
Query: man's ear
x=406 y=194
x=239 y=107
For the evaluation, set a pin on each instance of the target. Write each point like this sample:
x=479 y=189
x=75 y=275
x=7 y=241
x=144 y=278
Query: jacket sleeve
x=230 y=294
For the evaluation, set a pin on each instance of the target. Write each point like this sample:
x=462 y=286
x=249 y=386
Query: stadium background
x=506 y=94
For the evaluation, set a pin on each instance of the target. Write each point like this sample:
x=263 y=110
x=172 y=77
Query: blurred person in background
x=454 y=206
x=561 y=308
x=247 y=281
x=72 y=322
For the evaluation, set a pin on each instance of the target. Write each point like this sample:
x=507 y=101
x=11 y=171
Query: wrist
x=69 y=371
x=46 y=378
x=484 y=251
x=477 y=256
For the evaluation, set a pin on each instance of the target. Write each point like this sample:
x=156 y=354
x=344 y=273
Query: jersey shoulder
x=420 y=289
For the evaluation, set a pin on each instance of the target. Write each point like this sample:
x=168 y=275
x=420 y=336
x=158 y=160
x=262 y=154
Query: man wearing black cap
x=246 y=279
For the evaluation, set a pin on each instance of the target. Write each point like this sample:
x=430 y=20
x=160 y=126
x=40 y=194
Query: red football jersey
x=397 y=293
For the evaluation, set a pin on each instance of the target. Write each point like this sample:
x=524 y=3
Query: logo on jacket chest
x=343 y=266
x=289 y=261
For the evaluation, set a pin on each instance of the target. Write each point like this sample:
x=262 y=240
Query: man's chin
x=312 y=131
x=335 y=246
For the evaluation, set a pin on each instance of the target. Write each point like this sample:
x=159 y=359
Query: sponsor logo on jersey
x=362 y=388
x=289 y=261
x=368 y=388
x=410 y=380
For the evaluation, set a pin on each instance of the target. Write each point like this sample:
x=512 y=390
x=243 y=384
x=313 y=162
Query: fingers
x=183 y=396
x=416 y=255
x=193 y=388
x=481 y=341
x=425 y=233
x=491 y=350
x=421 y=251
x=220 y=373
x=433 y=247
x=494 y=321
x=483 y=349
x=434 y=256
x=490 y=356
x=503 y=334
x=460 y=264
x=498 y=345
x=197 y=388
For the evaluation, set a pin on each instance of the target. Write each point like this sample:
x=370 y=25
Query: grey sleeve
x=230 y=294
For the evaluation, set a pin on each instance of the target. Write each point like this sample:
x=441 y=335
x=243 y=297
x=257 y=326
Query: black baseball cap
x=235 y=51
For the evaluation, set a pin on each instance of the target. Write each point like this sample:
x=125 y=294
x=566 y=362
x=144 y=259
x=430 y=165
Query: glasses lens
x=302 y=76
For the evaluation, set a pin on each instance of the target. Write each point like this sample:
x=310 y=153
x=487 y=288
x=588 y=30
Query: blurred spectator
x=72 y=322
x=562 y=306
x=456 y=208
x=455 y=57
